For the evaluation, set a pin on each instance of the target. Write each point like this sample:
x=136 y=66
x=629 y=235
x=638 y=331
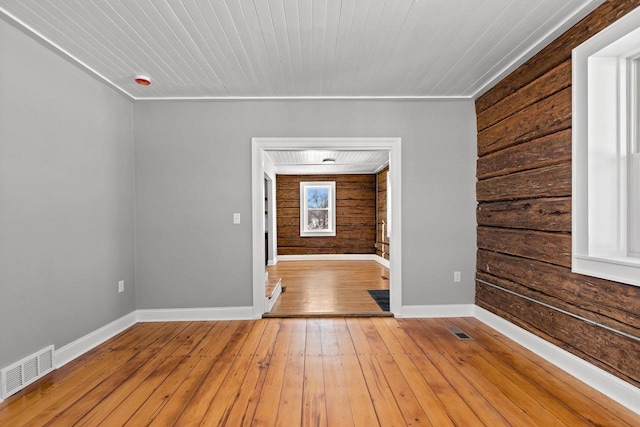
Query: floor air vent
x=459 y=333
x=19 y=375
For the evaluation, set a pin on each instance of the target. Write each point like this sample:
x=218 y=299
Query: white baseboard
x=194 y=314
x=272 y=261
x=83 y=344
x=329 y=257
x=610 y=385
x=334 y=257
x=383 y=261
x=270 y=302
x=445 y=310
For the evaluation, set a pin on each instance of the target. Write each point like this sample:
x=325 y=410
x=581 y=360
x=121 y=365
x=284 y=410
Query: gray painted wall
x=66 y=200
x=193 y=171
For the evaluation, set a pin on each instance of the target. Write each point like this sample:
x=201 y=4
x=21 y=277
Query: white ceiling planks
x=311 y=161
x=221 y=49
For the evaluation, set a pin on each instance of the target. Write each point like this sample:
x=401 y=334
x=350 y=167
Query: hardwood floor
x=303 y=372
x=316 y=288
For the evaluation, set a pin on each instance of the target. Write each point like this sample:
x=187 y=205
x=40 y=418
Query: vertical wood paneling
x=355 y=216
x=524 y=196
x=382 y=246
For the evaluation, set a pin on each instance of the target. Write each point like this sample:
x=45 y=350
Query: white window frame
x=605 y=199
x=634 y=158
x=305 y=231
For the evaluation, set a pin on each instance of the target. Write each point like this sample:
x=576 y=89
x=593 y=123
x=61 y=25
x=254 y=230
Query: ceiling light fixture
x=329 y=161
x=142 y=80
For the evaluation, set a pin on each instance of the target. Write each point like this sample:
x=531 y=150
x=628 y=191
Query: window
x=317 y=209
x=606 y=153
x=634 y=159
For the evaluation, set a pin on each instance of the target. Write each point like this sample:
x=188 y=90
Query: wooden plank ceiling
x=311 y=162
x=298 y=48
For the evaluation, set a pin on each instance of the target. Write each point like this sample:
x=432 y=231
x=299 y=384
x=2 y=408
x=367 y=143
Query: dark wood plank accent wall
x=382 y=241
x=355 y=216
x=524 y=212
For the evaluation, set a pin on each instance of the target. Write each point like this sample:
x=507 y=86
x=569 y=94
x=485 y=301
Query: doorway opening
x=262 y=168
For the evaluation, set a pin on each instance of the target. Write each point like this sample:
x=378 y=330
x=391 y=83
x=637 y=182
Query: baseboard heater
x=24 y=372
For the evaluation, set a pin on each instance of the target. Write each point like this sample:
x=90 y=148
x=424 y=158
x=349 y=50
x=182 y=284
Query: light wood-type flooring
x=314 y=288
x=365 y=372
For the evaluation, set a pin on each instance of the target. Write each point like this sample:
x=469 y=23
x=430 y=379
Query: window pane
x=317 y=198
x=635 y=110
x=317 y=219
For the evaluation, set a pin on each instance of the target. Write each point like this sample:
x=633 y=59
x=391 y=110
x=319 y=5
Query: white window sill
x=318 y=234
x=619 y=269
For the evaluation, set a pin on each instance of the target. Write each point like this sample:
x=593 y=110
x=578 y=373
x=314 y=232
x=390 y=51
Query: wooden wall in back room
x=524 y=212
x=355 y=216
x=382 y=247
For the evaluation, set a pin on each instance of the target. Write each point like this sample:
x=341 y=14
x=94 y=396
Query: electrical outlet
x=236 y=218
x=121 y=286
x=456 y=276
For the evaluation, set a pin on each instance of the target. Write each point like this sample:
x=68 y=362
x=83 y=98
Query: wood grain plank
x=104 y=391
x=589 y=403
x=155 y=378
x=258 y=342
x=523 y=391
x=553 y=214
x=412 y=411
x=335 y=385
x=362 y=407
x=207 y=390
x=267 y=404
x=206 y=356
x=546 y=151
x=387 y=409
x=554 y=248
x=551 y=181
x=550 y=115
x=243 y=410
x=552 y=81
x=457 y=355
x=290 y=406
x=314 y=407
x=485 y=410
x=444 y=406
x=83 y=380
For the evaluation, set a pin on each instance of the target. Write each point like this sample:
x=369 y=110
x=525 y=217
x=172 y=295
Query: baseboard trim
x=610 y=385
x=436 y=311
x=335 y=257
x=194 y=314
x=329 y=257
x=83 y=344
x=383 y=261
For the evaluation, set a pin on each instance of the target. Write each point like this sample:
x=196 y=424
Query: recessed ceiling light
x=329 y=161
x=142 y=80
